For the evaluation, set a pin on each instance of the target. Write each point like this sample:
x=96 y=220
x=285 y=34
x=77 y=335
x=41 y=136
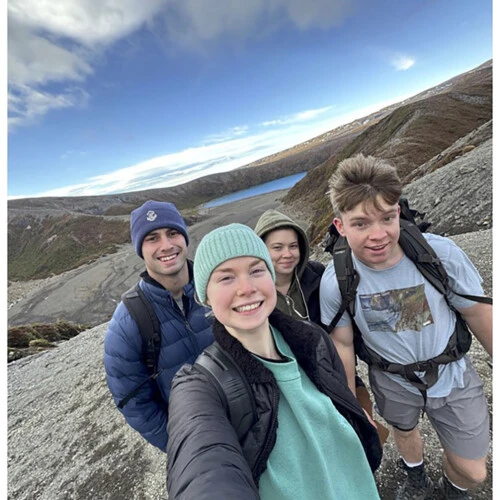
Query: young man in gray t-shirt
x=404 y=319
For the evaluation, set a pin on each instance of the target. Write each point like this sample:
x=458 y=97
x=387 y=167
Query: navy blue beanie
x=155 y=215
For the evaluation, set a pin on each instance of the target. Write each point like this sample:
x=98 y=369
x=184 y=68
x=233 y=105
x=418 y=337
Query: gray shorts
x=461 y=420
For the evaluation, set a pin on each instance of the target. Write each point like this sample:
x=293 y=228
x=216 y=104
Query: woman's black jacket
x=309 y=282
x=205 y=458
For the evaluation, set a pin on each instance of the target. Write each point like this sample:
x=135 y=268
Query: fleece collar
x=301 y=336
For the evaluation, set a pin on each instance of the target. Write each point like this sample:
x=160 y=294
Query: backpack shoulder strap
x=232 y=386
x=417 y=249
x=142 y=311
x=412 y=215
x=144 y=315
x=347 y=278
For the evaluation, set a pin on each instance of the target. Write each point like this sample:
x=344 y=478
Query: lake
x=267 y=187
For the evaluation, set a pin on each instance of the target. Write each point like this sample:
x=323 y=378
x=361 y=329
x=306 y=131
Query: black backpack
x=231 y=384
x=417 y=249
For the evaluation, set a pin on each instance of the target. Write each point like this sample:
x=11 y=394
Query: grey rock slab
x=66 y=438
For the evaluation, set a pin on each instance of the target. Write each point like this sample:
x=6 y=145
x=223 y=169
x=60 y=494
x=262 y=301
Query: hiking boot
x=417 y=485
x=448 y=491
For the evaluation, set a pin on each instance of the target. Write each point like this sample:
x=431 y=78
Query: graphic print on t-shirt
x=397 y=310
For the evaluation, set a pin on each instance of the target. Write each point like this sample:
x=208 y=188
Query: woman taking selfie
x=310 y=439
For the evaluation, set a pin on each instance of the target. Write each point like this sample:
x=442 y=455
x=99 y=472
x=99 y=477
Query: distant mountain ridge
x=300 y=158
x=190 y=194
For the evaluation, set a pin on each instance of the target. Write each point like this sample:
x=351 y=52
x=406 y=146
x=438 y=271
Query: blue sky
x=109 y=96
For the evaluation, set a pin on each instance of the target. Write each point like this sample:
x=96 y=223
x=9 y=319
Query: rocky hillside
x=40 y=247
x=90 y=292
x=463 y=185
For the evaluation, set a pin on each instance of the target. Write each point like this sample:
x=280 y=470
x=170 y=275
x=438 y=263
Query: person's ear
x=337 y=222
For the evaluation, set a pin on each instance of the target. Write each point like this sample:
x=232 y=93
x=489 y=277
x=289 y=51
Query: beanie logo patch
x=151 y=216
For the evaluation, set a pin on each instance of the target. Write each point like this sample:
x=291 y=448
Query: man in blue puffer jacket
x=160 y=237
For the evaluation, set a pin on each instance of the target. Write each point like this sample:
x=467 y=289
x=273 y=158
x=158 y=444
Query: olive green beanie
x=224 y=243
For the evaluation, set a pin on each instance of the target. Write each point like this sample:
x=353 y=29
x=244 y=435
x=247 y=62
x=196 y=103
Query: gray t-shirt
x=402 y=316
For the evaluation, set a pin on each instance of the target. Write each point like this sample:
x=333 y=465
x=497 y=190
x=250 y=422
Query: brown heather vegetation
x=24 y=340
x=40 y=248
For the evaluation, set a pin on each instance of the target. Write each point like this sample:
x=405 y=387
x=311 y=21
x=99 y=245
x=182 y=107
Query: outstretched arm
x=479 y=318
x=205 y=459
x=343 y=339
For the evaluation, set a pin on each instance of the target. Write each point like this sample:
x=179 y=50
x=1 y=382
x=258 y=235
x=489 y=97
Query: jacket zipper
x=190 y=332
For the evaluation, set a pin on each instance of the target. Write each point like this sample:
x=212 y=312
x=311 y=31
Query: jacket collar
x=188 y=288
x=302 y=337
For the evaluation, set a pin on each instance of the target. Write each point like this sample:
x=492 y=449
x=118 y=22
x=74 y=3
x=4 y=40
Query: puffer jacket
x=303 y=294
x=182 y=340
x=205 y=458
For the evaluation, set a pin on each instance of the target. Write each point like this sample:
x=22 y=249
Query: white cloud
x=302 y=116
x=183 y=166
x=58 y=42
x=192 y=23
x=402 y=63
x=34 y=60
x=90 y=22
x=228 y=134
x=323 y=13
x=27 y=104
x=176 y=168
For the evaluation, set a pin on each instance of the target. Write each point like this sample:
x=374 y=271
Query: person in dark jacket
x=311 y=439
x=297 y=277
x=160 y=237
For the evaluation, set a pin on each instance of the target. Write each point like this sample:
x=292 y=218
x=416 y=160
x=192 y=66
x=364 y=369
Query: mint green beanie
x=224 y=243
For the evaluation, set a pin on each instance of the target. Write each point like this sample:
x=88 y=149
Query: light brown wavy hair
x=360 y=179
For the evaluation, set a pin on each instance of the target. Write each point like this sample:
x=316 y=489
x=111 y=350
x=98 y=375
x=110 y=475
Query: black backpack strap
x=347 y=278
x=144 y=315
x=418 y=250
x=458 y=345
x=232 y=386
x=149 y=327
x=411 y=215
